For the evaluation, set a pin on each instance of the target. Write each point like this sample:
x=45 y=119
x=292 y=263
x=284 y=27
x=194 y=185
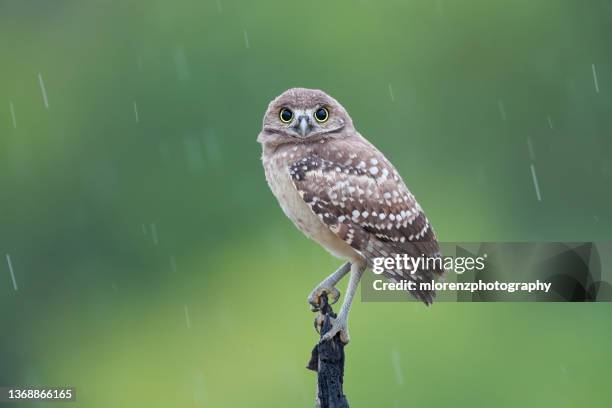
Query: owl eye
x=285 y=115
x=321 y=115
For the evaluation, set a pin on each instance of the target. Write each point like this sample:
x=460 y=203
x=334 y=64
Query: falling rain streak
x=502 y=109
x=531 y=149
x=550 y=124
x=10 y=266
x=182 y=64
x=136 y=115
x=535 y=183
x=187 y=319
x=397 y=367
x=595 y=82
x=219 y=8
x=246 y=39
x=391 y=93
x=12 y=108
x=43 y=90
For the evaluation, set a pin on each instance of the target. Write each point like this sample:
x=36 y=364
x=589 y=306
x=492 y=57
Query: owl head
x=304 y=115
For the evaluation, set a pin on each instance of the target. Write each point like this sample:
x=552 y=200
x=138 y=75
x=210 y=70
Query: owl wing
x=367 y=205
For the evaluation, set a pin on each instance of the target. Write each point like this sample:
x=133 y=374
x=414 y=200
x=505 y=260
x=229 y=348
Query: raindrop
x=246 y=39
x=42 y=89
x=12 y=108
x=397 y=368
x=182 y=65
x=199 y=393
x=595 y=82
x=219 y=8
x=530 y=148
x=144 y=229
x=502 y=109
x=535 y=183
x=187 y=319
x=136 y=114
x=550 y=123
x=391 y=93
x=10 y=265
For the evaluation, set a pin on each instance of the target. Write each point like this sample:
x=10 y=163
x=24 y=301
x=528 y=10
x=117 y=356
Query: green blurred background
x=155 y=268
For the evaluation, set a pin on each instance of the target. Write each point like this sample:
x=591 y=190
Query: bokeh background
x=154 y=268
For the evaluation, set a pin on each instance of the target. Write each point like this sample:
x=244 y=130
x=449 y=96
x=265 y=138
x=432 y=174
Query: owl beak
x=303 y=125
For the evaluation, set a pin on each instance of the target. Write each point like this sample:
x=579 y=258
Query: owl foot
x=339 y=325
x=315 y=296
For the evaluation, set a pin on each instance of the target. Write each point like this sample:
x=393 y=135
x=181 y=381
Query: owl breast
x=294 y=207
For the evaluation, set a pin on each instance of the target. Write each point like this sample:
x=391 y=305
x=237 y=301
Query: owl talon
x=315 y=296
x=340 y=325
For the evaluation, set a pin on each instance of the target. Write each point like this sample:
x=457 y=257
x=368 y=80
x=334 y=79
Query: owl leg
x=341 y=321
x=328 y=286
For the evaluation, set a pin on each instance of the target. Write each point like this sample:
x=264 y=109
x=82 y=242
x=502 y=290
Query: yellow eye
x=321 y=115
x=285 y=115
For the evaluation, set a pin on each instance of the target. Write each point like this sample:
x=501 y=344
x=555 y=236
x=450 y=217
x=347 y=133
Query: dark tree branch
x=327 y=360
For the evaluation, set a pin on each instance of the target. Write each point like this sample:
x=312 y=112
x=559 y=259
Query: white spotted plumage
x=339 y=190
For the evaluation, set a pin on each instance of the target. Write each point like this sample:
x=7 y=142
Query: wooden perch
x=327 y=360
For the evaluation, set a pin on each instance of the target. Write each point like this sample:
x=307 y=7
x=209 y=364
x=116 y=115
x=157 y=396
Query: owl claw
x=340 y=325
x=315 y=296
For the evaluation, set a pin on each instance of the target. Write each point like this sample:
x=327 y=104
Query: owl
x=343 y=193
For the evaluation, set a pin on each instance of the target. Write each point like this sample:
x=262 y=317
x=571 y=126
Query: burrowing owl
x=342 y=192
